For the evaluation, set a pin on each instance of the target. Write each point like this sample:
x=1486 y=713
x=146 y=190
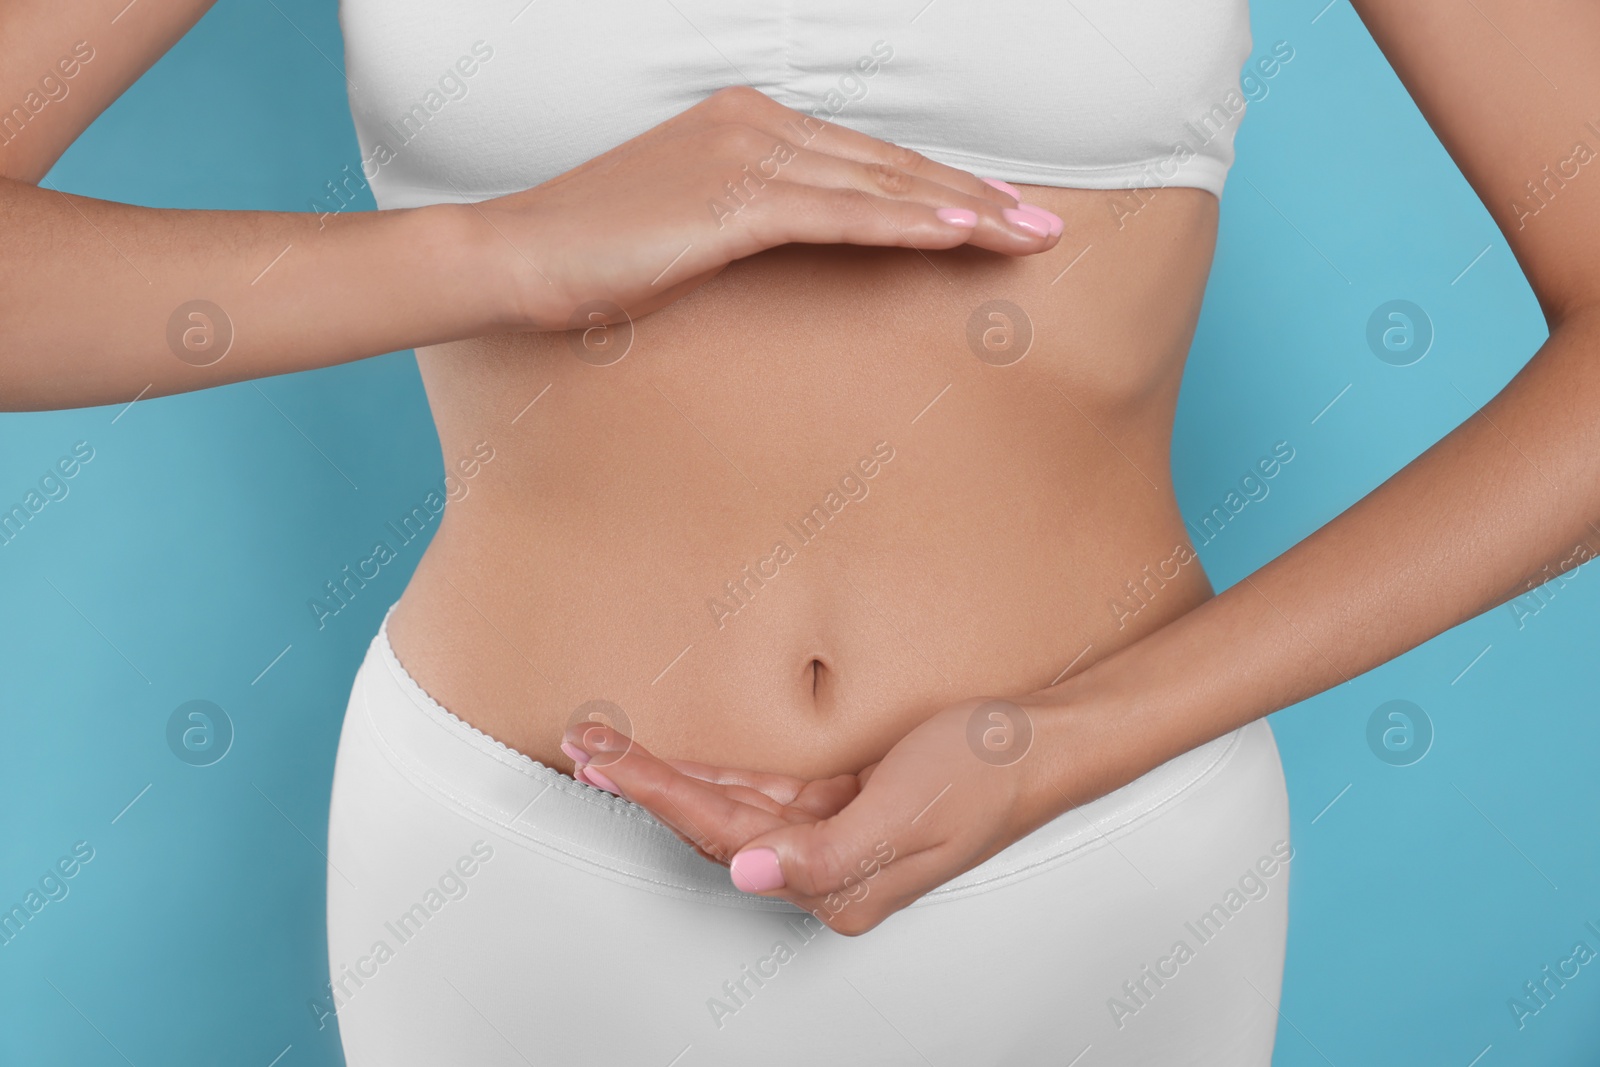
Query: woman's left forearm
x=1512 y=490
x=1510 y=494
x=1461 y=528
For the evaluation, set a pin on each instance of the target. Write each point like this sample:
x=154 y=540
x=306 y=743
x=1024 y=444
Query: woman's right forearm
x=103 y=302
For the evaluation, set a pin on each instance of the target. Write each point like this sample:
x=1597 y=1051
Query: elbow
x=1577 y=310
x=1564 y=273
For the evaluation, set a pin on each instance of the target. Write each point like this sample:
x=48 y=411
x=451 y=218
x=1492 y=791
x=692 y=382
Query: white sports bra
x=466 y=100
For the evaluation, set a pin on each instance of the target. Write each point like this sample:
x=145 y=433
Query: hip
x=506 y=904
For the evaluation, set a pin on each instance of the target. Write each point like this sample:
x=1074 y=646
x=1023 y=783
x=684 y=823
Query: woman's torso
x=592 y=556
x=823 y=495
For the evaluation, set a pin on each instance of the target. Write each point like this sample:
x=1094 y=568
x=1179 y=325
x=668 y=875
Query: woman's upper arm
x=1513 y=91
x=61 y=64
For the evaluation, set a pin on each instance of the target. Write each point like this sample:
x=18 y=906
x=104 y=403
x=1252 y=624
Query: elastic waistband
x=526 y=801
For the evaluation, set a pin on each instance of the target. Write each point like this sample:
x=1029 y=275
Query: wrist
x=1151 y=701
x=475 y=265
x=1093 y=734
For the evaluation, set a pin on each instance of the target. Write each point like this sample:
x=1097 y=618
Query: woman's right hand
x=657 y=216
x=108 y=302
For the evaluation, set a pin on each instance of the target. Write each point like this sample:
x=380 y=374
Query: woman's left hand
x=855 y=848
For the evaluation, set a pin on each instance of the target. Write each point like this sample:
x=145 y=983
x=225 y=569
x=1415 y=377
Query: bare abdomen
x=820 y=497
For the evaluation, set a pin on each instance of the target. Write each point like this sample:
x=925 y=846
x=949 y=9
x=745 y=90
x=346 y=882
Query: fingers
x=782 y=788
x=852 y=870
x=716 y=819
x=850 y=855
x=850 y=884
x=1001 y=222
x=763 y=145
x=787 y=212
x=820 y=798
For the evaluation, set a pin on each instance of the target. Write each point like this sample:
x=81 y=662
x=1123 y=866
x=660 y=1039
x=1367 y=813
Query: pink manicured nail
x=1051 y=218
x=958 y=216
x=756 y=870
x=574 y=753
x=1004 y=187
x=595 y=778
x=1027 y=220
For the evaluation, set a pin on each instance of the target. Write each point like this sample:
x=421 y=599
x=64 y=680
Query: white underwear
x=484 y=909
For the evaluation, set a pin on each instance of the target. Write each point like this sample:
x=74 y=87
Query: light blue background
x=1422 y=899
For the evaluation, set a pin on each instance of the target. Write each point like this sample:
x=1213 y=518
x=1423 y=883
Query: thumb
x=813 y=860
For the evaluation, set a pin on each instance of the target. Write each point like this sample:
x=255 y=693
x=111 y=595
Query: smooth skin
x=1466 y=524
x=90 y=284
x=1459 y=530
